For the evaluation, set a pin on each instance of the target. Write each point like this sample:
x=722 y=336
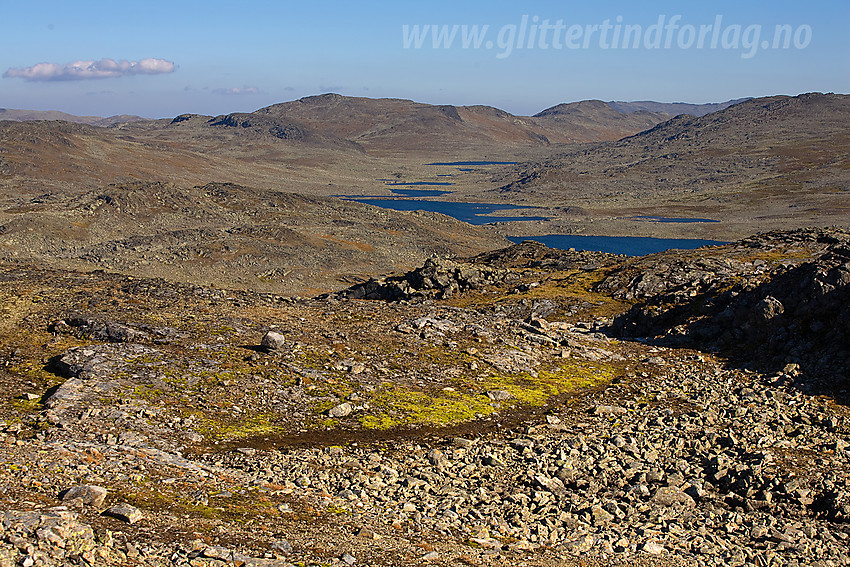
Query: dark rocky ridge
x=438 y=278
x=441 y=278
x=264 y=127
x=795 y=312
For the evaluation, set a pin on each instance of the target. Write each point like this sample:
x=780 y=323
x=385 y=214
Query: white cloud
x=82 y=70
x=238 y=91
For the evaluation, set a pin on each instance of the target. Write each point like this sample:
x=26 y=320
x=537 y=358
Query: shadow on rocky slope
x=767 y=320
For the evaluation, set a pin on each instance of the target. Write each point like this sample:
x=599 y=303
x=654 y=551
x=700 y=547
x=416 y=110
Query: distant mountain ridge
x=673 y=108
x=387 y=125
x=395 y=126
x=19 y=115
x=595 y=120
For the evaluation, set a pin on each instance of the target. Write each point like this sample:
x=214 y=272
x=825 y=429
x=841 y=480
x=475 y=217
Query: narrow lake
x=651 y=218
x=395 y=183
x=473 y=213
x=455 y=163
x=410 y=199
x=415 y=193
x=629 y=245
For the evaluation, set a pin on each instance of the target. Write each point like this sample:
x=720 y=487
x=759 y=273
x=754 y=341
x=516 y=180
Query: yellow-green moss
x=530 y=390
x=36 y=373
x=238 y=428
x=566 y=286
x=237 y=509
x=398 y=406
x=26 y=405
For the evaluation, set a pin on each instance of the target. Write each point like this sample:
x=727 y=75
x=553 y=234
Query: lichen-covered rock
x=87 y=494
x=342 y=410
x=99 y=328
x=56 y=527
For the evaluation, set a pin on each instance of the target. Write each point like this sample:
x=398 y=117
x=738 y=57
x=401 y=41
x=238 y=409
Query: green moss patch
x=398 y=406
x=258 y=425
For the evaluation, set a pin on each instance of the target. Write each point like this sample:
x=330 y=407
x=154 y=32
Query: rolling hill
x=390 y=126
x=226 y=234
x=770 y=162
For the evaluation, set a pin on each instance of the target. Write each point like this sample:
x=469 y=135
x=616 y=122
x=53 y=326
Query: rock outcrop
x=793 y=312
x=439 y=278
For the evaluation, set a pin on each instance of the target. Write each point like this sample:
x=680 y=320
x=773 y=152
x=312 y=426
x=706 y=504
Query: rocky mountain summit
x=525 y=406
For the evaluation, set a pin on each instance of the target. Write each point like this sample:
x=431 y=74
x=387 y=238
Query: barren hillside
x=227 y=234
x=771 y=162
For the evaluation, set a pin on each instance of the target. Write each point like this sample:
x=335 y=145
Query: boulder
x=272 y=341
x=86 y=493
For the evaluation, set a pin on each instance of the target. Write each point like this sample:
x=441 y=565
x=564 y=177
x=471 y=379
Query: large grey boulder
x=273 y=341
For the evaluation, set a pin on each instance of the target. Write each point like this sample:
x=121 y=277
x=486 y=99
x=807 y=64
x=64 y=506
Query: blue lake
x=629 y=245
x=477 y=214
x=413 y=183
x=673 y=219
x=466 y=212
x=472 y=163
x=419 y=192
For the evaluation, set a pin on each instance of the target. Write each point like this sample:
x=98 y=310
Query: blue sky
x=160 y=59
